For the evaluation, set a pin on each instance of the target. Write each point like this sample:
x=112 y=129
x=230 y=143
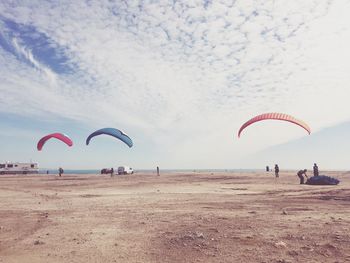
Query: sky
x=180 y=78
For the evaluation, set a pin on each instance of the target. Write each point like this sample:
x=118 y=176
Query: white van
x=125 y=170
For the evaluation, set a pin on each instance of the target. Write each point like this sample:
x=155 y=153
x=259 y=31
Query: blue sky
x=179 y=78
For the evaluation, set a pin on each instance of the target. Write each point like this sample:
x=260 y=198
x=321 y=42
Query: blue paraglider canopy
x=112 y=132
x=322 y=180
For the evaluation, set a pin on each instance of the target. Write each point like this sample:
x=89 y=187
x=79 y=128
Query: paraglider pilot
x=300 y=175
x=60 y=171
x=277 y=170
x=315 y=170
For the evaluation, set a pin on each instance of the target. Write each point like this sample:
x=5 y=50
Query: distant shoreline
x=95 y=171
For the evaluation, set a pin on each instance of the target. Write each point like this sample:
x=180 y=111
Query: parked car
x=125 y=170
x=106 y=171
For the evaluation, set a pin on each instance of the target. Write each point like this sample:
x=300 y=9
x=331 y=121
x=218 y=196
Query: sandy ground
x=193 y=217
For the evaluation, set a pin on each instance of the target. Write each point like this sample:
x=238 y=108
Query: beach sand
x=178 y=217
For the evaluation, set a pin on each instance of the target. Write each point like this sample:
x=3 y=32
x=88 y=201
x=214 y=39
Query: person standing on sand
x=300 y=175
x=315 y=170
x=277 y=170
x=158 y=170
x=112 y=172
x=60 y=171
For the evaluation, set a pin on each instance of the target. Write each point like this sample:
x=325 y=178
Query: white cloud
x=22 y=50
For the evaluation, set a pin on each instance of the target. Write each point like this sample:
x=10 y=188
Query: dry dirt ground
x=192 y=217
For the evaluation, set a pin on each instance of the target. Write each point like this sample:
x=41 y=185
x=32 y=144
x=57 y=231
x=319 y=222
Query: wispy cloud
x=27 y=54
x=185 y=72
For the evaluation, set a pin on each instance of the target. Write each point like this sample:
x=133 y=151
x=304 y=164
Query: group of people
x=300 y=173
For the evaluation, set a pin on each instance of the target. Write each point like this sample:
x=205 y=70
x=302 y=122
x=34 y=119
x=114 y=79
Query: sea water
x=96 y=171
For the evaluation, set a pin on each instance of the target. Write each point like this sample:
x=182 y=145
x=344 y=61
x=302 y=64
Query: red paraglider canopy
x=62 y=137
x=275 y=116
